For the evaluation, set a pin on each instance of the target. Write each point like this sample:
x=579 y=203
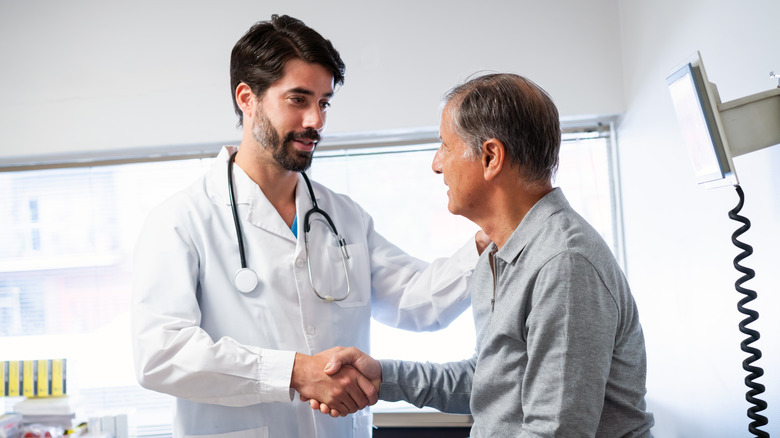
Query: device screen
x=691 y=110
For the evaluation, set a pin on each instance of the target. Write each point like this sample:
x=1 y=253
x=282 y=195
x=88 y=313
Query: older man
x=560 y=350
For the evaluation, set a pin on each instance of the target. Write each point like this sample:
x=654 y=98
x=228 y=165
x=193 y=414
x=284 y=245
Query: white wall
x=678 y=235
x=89 y=75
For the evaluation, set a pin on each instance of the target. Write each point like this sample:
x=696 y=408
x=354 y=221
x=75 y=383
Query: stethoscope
x=246 y=279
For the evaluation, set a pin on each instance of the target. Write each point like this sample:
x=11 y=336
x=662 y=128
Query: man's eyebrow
x=307 y=92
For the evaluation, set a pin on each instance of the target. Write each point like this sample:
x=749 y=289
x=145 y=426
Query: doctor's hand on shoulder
x=345 y=389
x=482 y=240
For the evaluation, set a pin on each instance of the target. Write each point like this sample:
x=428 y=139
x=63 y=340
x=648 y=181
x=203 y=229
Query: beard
x=283 y=151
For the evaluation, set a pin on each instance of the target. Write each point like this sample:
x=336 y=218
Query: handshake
x=338 y=381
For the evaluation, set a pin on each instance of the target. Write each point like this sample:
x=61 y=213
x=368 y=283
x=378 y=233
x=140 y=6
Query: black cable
x=753 y=335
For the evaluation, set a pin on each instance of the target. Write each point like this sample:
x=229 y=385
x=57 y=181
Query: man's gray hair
x=513 y=110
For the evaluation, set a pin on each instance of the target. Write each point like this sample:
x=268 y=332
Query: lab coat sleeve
x=172 y=353
x=410 y=294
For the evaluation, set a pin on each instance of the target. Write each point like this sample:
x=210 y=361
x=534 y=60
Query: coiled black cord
x=753 y=335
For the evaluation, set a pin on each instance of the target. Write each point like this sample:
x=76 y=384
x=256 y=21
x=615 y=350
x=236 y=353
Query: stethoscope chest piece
x=246 y=280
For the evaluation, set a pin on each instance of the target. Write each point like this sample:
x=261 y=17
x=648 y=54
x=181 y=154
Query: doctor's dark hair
x=259 y=57
x=513 y=110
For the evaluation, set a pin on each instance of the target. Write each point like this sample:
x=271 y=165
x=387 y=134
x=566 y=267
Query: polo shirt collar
x=531 y=224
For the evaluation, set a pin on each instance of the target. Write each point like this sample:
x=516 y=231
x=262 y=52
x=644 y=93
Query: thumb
x=346 y=356
x=333 y=366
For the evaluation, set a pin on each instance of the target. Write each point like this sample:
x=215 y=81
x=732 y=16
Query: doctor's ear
x=493 y=156
x=245 y=98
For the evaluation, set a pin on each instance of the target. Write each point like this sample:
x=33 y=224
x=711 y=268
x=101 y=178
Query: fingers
x=482 y=240
x=322 y=407
x=369 y=390
x=341 y=357
x=350 y=382
x=363 y=385
x=332 y=412
x=356 y=393
x=353 y=384
x=333 y=366
x=311 y=383
x=344 y=391
x=347 y=398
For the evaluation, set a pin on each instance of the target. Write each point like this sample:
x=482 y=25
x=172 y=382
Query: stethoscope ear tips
x=245 y=280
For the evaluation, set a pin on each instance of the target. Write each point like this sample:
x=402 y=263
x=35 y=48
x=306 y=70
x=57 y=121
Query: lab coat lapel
x=262 y=213
x=253 y=207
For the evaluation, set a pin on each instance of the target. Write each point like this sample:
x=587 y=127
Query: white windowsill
x=401 y=414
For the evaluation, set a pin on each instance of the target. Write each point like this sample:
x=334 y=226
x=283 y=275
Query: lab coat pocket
x=359 y=275
x=260 y=432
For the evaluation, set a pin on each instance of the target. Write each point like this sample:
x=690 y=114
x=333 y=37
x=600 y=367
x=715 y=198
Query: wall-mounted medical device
x=716 y=132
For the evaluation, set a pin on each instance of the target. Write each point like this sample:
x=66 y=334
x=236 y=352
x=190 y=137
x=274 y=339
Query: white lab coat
x=228 y=356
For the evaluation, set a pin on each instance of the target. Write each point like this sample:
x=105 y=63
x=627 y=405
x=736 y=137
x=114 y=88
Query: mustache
x=307 y=134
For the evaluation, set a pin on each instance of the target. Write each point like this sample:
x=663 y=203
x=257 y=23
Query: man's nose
x=436 y=164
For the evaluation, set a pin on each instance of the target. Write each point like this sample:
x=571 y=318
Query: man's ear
x=245 y=99
x=493 y=158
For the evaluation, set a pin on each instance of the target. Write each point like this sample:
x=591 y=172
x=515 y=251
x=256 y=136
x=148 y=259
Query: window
x=408 y=203
x=69 y=232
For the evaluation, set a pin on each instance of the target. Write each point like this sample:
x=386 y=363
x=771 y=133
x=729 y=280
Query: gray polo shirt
x=560 y=351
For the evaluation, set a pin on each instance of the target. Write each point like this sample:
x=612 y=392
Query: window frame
x=352 y=144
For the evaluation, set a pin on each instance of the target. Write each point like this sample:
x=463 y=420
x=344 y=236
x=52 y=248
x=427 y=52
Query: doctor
x=245 y=279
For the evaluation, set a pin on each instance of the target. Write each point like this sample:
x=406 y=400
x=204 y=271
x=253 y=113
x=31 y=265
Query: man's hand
x=341 y=360
x=344 y=389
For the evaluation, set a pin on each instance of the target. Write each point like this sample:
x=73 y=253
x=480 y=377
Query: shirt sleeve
x=172 y=353
x=570 y=334
x=411 y=294
x=446 y=387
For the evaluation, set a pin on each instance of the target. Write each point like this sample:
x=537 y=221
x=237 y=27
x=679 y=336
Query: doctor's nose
x=314 y=118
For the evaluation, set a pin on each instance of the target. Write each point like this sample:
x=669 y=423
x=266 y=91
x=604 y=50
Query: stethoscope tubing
x=234 y=209
x=246 y=279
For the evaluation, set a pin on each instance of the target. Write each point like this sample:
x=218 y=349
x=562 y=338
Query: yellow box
x=13 y=378
x=28 y=378
x=43 y=379
x=57 y=377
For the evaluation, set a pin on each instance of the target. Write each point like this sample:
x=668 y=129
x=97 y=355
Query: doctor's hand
x=349 y=357
x=345 y=389
x=482 y=240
